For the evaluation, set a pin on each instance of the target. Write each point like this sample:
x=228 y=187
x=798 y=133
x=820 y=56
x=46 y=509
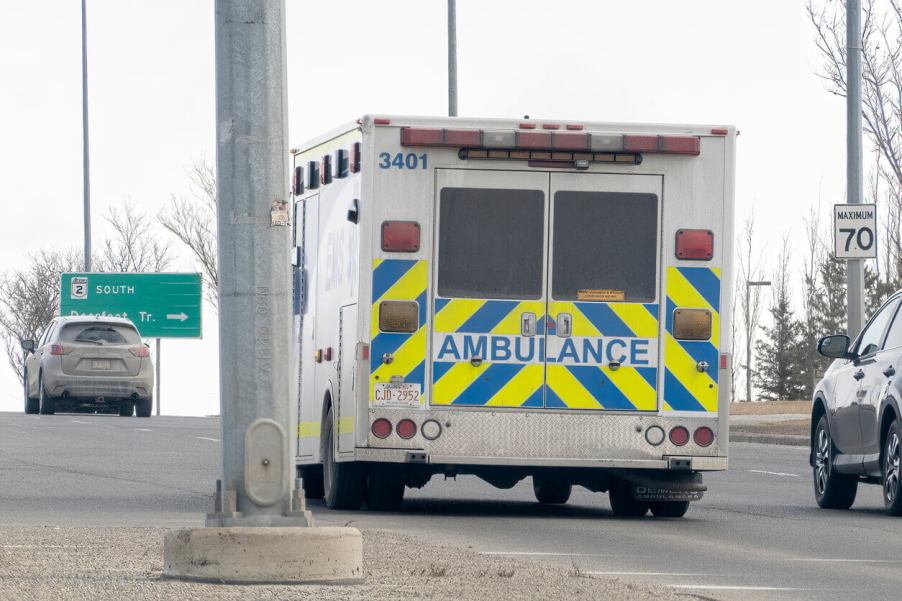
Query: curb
x=792 y=440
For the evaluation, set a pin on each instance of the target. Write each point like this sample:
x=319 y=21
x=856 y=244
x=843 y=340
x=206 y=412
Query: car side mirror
x=835 y=347
x=28 y=345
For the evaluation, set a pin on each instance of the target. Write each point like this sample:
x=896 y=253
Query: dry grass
x=771 y=408
x=801 y=427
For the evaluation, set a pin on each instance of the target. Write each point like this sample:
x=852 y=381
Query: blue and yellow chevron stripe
x=499 y=384
x=685 y=388
x=628 y=388
x=395 y=279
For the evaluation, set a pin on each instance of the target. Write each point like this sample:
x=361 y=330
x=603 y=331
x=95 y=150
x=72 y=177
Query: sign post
x=161 y=305
x=855 y=231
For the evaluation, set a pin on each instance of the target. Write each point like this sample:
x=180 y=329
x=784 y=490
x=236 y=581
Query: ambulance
x=513 y=299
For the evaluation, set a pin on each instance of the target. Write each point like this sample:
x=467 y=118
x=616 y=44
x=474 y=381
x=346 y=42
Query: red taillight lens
x=139 y=351
x=381 y=428
x=59 y=349
x=695 y=245
x=703 y=436
x=406 y=428
x=679 y=436
x=400 y=236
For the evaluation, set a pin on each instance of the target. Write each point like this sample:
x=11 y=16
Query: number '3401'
x=402 y=160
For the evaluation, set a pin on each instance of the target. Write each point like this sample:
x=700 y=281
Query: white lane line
x=75 y=421
x=143 y=429
x=774 y=473
x=842 y=560
x=543 y=554
x=205 y=438
x=675 y=574
x=712 y=587
x=37 y=547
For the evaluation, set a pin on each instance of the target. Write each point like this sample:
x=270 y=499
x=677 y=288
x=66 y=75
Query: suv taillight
x=139 y=351
x=59 y=349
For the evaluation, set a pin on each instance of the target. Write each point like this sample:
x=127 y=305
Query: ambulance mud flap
x=665 y=486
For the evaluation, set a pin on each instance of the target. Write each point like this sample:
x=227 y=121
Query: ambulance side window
x=491 y=243
x=605 y=246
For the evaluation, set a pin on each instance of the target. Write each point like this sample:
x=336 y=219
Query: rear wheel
x=46 y=403
x=126 y=409
x=312 y=476
x=550 y=490
x=892 y=479
x=624 y=505
x=385 y=488
x=344 y=484
x=143 y=407
x=32 y=406
x=831 y=489
x=669 y=509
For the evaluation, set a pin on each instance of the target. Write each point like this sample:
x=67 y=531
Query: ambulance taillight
x=695 y=245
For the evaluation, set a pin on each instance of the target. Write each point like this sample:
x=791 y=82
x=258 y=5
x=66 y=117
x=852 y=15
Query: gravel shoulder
x=48 y=563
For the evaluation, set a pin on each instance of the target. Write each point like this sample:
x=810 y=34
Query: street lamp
x=749 y=334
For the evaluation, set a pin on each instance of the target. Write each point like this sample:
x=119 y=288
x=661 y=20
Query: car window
x=872 y=337
x=45 y=337
x=100 y=333
x=894 y=337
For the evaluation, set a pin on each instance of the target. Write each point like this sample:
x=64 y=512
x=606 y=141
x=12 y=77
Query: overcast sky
x=739 y=62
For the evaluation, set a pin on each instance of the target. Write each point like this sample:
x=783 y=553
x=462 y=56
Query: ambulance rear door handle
x=564 y=322
x=528 y=324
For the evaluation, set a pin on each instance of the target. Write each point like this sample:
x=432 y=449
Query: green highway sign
x=161 y=305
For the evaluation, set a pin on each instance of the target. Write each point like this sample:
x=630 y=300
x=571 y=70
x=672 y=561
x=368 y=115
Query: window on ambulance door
x=605 y=246
x=491 y=243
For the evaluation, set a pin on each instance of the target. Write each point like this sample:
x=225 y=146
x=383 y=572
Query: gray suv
x=855 y=420
x=88 y=363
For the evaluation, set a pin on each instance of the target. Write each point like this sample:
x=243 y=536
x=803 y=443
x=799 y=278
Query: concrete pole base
x=264 y=555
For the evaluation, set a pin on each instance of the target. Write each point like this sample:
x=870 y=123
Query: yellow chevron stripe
x=376 y=263
x=408 y=287
x=456 y=313
x=519 y=388
x=633 y=386
x=684 y=294
x=455 y=381
x=568 y=388
x=683 y=368
x=405 y=359
x=637 y=318
x=511 y=323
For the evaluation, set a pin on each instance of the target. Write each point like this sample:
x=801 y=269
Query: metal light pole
x=84 y=128
x=749 y=335
x=452 y=58
x=854 y=186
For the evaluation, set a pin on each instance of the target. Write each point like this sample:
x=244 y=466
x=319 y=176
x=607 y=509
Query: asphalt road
x=757 y=534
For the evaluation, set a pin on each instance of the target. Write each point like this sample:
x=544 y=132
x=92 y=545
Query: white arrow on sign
x=178 y=316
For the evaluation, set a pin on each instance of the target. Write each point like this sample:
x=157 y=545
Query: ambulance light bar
x=549 y=138
x=543 y=156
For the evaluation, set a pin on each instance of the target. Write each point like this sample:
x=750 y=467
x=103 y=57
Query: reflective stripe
x=308 y=429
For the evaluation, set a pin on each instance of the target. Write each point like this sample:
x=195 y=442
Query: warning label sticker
x=604 y=296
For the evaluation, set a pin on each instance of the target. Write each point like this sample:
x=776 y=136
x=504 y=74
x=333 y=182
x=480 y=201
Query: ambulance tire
x=344 y=484
x=385 y=489
x=624 y=505
x=669 y=509
x=312 y=477
x=550 y=490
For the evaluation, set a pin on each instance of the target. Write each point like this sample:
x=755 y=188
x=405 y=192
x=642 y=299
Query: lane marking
x=841 y=560
x=38 y=547
x=75 y=421
x=143 y=429
x=726 y=587
x=646 y=574
x=544 y=554
x=773 y=473
x=205 y=438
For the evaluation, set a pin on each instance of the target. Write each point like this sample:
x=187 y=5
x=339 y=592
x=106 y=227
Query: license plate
x=396 y=394
x=100 y=364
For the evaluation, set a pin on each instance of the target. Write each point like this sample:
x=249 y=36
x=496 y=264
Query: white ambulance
x=513 y=299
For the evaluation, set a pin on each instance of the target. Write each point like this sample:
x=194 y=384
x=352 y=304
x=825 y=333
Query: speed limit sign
x=855 y=231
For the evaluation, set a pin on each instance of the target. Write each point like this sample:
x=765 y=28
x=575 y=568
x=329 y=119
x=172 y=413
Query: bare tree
x=29 y=299
x=193 y=222
x=134 y=246
x=749 y=263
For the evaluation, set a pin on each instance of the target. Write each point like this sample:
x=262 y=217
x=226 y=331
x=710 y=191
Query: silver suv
x=855 y=419
x=88 y=363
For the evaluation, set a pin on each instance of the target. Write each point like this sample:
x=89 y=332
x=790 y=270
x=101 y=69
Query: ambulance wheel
x=344 y=484
x=312 y=477
x=550 y=490
x=385 y=489
x=624 y=505
x=669 y=509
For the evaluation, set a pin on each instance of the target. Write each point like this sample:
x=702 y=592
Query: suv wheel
x=344 y=484
x=831 y=489
x=892 y=480
x=32 y=406
x=126 y=409
x=143 y=407
x=46 y=403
